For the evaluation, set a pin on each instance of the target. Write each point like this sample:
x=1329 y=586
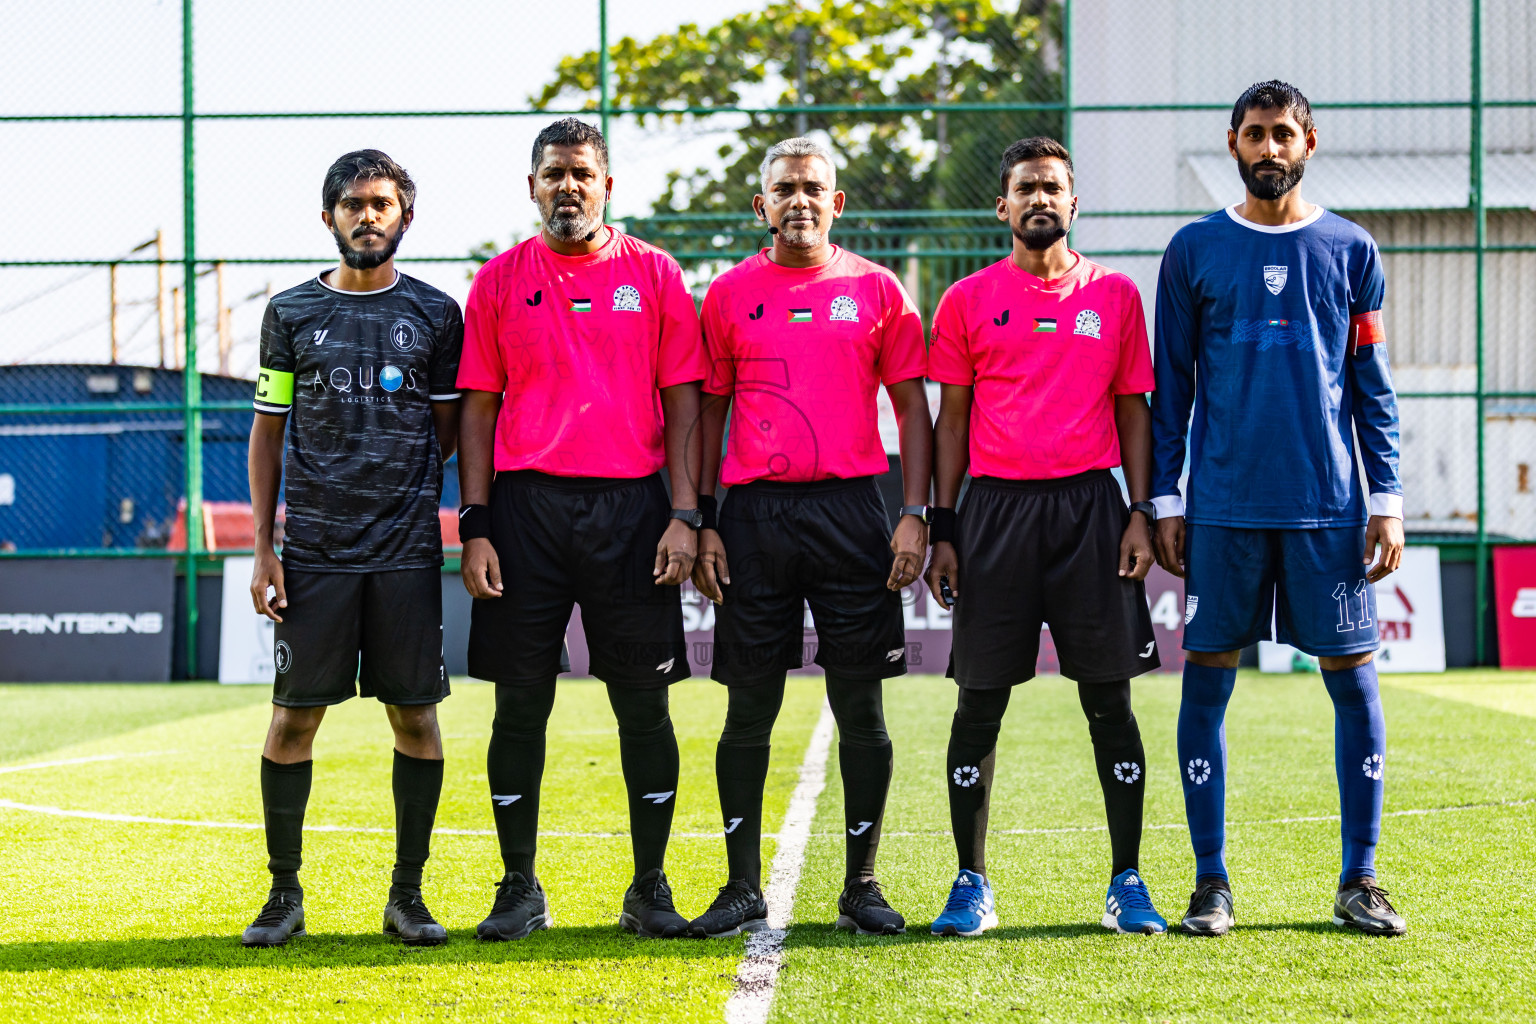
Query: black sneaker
x=1210 y=911
x=739 y=908
x=862 y=907
x=648 y=909
x=1363 y=906
x=281 y=918
x=521 y=909
x=407 y=918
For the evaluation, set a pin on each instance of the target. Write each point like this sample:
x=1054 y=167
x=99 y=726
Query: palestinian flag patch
x=1044 y=325
x=800 y=316
x=581 y=305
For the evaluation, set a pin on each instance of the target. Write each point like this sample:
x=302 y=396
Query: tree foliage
x=908 y=52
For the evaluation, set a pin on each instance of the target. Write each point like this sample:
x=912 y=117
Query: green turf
x=1459 y=876
x=133 y=921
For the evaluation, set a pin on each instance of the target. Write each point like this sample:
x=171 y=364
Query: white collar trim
x=1275 y=229
x=342 y=291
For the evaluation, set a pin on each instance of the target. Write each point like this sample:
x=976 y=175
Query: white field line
x=93 y=759
x=758 y=973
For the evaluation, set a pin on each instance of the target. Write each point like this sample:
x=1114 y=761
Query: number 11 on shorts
x=1341 y=593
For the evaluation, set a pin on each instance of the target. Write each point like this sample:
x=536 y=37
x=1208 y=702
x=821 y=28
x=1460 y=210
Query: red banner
x=1514 y=595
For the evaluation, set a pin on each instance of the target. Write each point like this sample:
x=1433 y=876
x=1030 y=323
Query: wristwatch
x=921 y=511
x=1147 y=509
x=692 y=516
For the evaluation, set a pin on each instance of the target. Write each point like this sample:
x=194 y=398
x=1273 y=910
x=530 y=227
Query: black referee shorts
x=1046 y=551
x=590 y=541
x=393 y=620
x=827 y=543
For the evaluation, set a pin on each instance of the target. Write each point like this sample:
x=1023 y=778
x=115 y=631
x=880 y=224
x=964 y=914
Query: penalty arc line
x=758 y=973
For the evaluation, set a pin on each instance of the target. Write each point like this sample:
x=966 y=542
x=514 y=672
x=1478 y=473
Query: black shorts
x=394 y=620
x=1047 y=551
x=590 y=541
x=827 y=543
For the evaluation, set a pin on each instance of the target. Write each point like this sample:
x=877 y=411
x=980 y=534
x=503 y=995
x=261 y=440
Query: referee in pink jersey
x=581 y=370
x=800 y=338
x=1044 y=366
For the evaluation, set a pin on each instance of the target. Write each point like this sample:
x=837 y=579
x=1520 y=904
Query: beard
x=1044 y=236
x=367 y=259
x=571 y=225
x=802 y=238
x=1271 y=186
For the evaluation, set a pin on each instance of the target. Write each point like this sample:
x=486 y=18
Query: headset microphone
x=590 y=235
x=773 y=230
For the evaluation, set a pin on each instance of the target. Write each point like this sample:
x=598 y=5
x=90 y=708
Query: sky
x=98 y=189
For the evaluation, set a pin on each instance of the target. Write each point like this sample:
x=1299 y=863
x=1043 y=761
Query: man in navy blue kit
x=1278 y=303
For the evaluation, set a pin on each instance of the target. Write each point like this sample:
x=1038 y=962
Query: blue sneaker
x=1128 y=906
x=969 y=910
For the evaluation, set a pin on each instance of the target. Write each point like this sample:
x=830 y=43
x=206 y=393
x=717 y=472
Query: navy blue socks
x=1359 y=753
x=1203 y=763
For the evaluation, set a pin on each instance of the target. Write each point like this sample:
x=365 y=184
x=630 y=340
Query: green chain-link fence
x=163 y=167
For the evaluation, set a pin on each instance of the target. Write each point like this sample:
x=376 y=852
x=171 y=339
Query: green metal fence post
x=602 y=64
x=1480 y=227
x=192 y=383
x=1066 y=82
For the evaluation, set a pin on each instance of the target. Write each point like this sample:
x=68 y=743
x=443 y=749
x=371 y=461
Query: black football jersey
x=357 y=373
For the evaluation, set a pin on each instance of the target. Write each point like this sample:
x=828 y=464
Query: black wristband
x=474 y=522
x=709 y=508
x=941 y=525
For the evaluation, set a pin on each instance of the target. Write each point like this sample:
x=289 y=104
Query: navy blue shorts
x=1310 y=583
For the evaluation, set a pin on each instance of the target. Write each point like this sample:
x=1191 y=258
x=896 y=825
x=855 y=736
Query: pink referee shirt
x=579 y=345
x=802 y=352
x=1046 y=359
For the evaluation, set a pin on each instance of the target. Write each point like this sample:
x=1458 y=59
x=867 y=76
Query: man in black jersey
x=359 y=365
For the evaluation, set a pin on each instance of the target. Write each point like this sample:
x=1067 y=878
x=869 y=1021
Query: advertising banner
x=245 y=638
x=1514 y=592
x=928 y=628
x=1409 y=617
x=86 y=620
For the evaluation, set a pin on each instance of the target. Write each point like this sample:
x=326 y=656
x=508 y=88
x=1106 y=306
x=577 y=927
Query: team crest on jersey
x=626 y=299
x=1274 y=279
x=403 y=335
x=844 y=308
x=1191 y=605
x=1088 y=323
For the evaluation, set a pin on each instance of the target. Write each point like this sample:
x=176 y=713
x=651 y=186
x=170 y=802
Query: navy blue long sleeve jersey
x=1273 y=335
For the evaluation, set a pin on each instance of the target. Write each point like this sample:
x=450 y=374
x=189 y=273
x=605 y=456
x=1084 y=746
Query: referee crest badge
x=844 y=308
x=1088 y=323
x=1274 y=279
x=626 y=299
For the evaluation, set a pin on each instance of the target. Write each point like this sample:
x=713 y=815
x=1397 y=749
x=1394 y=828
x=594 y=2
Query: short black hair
x=370 y=164
x=571 y=131
x=1033 y=149
x=1273 y=95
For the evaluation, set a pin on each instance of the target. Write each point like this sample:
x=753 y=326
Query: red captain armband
x=1365 y=329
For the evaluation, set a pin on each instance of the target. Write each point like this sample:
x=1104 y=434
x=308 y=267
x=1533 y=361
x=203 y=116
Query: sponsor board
x=245 y=637
x=86 y=619
x=1514 y=595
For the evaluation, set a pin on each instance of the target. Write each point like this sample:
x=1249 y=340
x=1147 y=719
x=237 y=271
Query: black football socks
x=417 y=783
x=741 y=770
x=648 y=753
x=514 y=765
x=864 y=756
x=284 y=795
x=969 y=767
x=740 y=773
x=1121 y=763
